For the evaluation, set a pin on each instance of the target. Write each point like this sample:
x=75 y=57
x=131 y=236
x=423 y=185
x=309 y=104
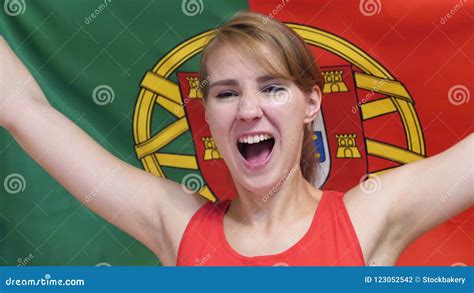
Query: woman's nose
x=249 y=108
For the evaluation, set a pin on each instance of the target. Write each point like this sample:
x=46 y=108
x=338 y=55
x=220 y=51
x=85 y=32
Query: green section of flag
x=72 y=48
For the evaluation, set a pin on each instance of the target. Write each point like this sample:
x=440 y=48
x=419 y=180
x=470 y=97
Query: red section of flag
x=348 y=164
x=212 y=167
x=427 y=46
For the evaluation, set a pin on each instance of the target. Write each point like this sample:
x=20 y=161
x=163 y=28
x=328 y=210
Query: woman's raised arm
x=433 y=190
x=152 y=209
x=401 y=205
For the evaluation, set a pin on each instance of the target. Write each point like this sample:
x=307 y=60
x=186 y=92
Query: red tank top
x=330 y=240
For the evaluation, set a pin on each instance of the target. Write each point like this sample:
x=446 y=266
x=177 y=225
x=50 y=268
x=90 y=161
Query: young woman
x=262 y=92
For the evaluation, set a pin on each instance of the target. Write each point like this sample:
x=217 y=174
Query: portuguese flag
x=397 y=83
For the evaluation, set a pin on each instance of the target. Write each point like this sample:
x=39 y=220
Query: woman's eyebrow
x=234 y=82
x=224 y=82
x=266 y=78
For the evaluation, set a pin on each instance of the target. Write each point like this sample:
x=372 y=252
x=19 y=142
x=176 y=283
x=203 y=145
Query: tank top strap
x=332 y=203
x=334 y=216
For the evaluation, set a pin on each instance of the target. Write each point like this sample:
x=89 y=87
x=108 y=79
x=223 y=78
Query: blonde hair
x=252 y=34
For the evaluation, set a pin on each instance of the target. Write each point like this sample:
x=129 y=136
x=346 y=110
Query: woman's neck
x=293 y=196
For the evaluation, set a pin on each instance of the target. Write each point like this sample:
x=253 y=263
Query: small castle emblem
x=333 y=82
x=346 y=146
x=194 y=88
x=211 y=152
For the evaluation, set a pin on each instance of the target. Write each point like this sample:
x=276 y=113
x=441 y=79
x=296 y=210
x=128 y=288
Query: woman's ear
x=314 y=104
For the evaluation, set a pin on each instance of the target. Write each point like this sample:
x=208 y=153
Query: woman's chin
x=260 y=185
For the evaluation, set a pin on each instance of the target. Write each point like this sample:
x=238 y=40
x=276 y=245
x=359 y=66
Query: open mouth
x=255 y=149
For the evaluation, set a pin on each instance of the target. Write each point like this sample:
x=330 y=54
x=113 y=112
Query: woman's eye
x=226 y=94
x=273 y=89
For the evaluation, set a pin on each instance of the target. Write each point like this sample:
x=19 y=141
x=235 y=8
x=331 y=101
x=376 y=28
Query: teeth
x=250 y=139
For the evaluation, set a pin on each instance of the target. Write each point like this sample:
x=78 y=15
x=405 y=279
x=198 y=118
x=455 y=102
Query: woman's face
x=256 y=120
